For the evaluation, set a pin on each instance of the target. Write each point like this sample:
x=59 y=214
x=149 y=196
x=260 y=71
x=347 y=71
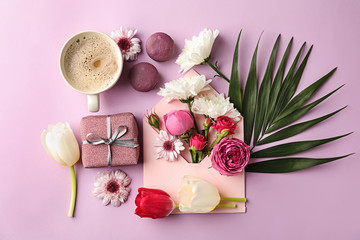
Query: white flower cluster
x=197 y=49
x=184 y=88
x=215 y=106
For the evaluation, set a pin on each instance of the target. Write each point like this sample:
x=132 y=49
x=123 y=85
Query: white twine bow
x=113 y=139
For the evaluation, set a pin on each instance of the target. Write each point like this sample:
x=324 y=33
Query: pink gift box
x=109 y=140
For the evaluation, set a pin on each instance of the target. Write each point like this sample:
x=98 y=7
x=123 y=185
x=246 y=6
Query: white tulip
x=60 y=143
x=197 y=195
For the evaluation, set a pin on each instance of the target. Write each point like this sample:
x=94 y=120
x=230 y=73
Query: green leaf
x=291 y=89
x=304 y=95
x=295 y=129
x=264 y=93
x=298 y=113
x=234 y=86
x=250 y=96
x=282 y=96
x=275 y=88
x=284 y=165
x=292 y=148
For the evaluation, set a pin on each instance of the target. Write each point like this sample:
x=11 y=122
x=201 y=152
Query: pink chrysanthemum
x=167 y=146
x=129 y=45
x=112 y=187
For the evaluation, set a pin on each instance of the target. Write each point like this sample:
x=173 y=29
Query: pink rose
x=178 y=122
x=224 y=122
x=197 y=141
x=230 y=156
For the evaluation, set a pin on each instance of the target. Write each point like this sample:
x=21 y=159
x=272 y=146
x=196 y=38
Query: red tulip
x=153 y=203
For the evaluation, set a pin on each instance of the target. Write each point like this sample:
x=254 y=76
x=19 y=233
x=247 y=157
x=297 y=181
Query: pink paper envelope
x=165 y=175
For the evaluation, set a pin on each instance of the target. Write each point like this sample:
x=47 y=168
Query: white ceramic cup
x=93 y=97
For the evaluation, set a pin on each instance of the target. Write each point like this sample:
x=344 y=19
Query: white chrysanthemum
x=197 y=49
x=167 y=146
x=112 y=187
x=184 y=88
x=215 y=106
x=129 y=45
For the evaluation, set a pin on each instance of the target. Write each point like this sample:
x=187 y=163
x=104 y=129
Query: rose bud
x=230 y=156
x=197 y=142
x=154 y=120
x=207 y=123
x=224 y=122
x=153 y=203
x=224 y=133
x=197 y=195
x=178 y=122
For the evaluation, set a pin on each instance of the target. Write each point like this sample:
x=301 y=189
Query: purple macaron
x=160 y=47
x=143 y=76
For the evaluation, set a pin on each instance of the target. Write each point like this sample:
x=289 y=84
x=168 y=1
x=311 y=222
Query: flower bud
x=224 y=133
x=154 y=120
x=207 y=123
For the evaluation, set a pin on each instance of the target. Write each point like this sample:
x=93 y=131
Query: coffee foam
x=90 y=63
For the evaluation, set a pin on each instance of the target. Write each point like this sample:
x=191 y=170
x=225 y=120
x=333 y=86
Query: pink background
x=318 y=203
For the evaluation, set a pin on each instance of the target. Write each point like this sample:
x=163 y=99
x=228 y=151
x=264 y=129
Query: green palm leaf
x=234 y=86
x=295 y=129
x=275 y=88
x=273 y=106
x=303 y=96
x=250 y=96
x=264 y=93
x=292 y=148
x=284 y=165
x=298 y=113
x=282 y=96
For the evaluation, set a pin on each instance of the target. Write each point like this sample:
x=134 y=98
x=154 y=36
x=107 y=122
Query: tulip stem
x=230 y=205
x=216 y=69
x=73 y=192
x=231 y=199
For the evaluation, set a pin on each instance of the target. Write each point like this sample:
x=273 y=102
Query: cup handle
x=93 y=102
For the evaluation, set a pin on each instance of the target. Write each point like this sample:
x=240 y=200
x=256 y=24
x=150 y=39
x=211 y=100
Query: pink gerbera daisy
x=167 y=146
x=112 y=187
x=129 y=45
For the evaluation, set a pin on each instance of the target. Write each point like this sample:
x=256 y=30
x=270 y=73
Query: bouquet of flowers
x=219 y=119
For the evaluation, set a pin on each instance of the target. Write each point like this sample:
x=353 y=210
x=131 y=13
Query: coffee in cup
x=91 y=62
